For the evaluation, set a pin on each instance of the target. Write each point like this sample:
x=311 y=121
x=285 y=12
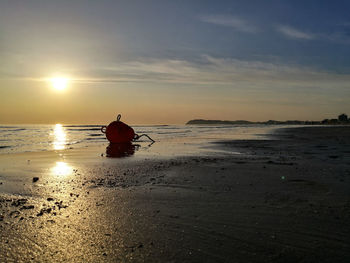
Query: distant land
x=342 y=119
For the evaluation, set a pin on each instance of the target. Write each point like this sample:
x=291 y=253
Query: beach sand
x=285 y=199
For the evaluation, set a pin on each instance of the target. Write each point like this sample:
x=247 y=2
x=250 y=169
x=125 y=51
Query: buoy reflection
x=61 y=169
x=118 y=150
x=59 y=137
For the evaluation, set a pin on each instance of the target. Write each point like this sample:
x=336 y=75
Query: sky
x=166 y=62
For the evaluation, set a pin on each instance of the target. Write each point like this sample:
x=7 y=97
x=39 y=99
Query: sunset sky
x=166 y=62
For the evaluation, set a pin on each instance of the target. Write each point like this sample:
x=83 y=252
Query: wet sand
x=280 y=200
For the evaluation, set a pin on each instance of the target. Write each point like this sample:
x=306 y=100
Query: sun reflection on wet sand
x=61 y=169
x=59 y=137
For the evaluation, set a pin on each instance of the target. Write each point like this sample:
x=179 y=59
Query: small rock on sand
x=35 y=179
x=19 y=202
x=27 y=207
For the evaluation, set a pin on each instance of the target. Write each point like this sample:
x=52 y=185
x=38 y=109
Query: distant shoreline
x=269 y=122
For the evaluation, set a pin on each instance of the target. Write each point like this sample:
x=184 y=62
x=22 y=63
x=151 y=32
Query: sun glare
x=59 y=142
x=59 y=83
x=61 y=169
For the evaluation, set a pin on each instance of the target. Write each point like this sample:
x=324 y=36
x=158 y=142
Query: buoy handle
x=103 y=129
x=118 y=117
x=137 y=137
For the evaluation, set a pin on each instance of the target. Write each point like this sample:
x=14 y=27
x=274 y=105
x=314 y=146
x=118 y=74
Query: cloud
x=294 y=33
x=204 y=70
x=340 y=35
x=212 y=72
x=230 y=21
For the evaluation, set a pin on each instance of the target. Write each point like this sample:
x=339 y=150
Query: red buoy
x=118 y=132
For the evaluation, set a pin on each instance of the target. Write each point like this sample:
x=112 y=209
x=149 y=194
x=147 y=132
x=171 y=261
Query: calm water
x=33 y=138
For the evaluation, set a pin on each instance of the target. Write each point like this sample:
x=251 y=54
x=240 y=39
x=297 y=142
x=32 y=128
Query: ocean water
x=35 y=138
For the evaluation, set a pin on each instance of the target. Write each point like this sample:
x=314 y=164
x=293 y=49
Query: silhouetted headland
x=342 y=119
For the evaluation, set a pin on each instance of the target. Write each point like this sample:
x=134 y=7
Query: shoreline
x=282 y=200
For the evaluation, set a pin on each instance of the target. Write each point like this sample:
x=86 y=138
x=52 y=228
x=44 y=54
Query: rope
x=139 y=136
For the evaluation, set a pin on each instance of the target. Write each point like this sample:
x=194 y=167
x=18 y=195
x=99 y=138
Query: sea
x=57 y=137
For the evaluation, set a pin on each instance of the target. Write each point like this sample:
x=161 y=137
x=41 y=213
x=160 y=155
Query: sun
x=59 y=83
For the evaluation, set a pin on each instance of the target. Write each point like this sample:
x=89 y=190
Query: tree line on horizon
x=342 y=119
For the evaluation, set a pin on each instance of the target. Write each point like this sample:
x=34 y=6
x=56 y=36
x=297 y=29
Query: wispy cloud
x=211 y=71
x=340 y=35
x=234 y=22
x=292 y=32
x=204 y=70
